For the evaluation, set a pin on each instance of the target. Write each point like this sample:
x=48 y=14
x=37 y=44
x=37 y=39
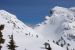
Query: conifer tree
x=1 y=36
x=11 y=44
x=47 y=46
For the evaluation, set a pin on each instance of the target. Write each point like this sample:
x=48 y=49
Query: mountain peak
x=6 y=14
x=60 y=24
x=57 y=8
x=3 y=11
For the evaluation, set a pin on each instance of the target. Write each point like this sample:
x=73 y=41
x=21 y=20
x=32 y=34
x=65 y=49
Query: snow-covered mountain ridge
x=58 y=30
x=24 y=37
x=59 y=27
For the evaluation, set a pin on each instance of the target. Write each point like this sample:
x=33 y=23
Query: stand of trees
x=2 y=40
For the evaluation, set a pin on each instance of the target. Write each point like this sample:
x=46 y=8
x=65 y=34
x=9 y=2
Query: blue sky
x=33 y=11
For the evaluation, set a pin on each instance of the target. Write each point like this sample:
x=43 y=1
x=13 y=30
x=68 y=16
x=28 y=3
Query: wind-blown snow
x=60 y=24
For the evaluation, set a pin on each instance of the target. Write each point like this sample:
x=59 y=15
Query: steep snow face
x=24 y=36
x=60 y=24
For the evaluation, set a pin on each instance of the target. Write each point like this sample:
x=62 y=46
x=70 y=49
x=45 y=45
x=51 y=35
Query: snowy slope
x=60 y=26
x=24 y=36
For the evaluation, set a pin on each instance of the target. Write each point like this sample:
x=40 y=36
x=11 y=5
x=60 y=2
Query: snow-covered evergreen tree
x=11 y=44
